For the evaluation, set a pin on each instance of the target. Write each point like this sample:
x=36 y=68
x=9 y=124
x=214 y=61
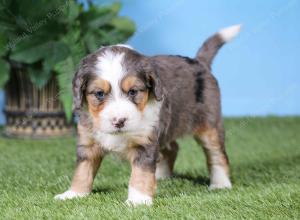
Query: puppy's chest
x=116 y=143
x=120 y=143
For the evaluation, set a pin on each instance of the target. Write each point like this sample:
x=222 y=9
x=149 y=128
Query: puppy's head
x=118 y=87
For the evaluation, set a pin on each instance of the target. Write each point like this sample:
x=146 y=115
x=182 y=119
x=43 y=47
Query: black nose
x=119 y=123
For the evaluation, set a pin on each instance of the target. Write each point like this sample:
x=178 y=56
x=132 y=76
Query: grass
x=265 y=164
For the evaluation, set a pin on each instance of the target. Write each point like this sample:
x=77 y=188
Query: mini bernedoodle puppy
x=137 y=106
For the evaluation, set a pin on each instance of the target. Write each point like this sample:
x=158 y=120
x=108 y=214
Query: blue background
x=258 y=72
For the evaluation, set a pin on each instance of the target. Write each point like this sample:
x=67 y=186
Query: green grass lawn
x=265 y=164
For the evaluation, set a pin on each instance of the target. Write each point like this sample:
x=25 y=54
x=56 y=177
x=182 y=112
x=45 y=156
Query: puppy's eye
x=100 y=95
x=132 y=92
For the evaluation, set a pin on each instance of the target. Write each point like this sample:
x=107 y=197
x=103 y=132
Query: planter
x=32 y=112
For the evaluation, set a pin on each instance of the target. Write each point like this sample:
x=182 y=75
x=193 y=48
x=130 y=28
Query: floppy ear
x=79 y=87
x=154 y=83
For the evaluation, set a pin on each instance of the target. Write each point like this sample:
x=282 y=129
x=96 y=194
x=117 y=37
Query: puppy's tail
x=212 y=45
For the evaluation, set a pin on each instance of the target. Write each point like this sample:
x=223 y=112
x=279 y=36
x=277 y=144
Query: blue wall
x=259 y=72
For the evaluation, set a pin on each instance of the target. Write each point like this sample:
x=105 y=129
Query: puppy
x=137 y=106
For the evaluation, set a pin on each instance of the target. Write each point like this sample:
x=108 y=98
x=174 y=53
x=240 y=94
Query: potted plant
x=41 y=44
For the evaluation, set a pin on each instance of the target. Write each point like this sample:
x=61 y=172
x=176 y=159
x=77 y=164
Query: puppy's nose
x=119 y=123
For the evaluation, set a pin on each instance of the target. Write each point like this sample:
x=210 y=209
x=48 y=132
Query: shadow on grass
x=197 y=180
x=99 y=190
x=179 y=184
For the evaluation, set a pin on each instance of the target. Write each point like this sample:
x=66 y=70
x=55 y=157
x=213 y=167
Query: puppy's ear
x=151 y=76
x=79 y=87
x=154 y=83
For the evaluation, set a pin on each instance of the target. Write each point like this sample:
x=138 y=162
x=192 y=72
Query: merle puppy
x=137 y=106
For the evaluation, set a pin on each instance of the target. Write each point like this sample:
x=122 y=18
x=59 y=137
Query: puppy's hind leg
x=165 y=165
x=212 y=141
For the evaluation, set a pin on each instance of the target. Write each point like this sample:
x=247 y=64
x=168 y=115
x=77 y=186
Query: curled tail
x=212 y=45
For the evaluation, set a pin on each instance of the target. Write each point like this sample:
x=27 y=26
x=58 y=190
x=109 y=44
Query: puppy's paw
x=70 y=195
x=223 y=185
x=136 y=198
x=219 y=179
x=163 y=170
x=135 y=203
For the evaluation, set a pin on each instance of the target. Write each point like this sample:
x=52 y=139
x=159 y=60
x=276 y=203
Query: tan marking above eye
x=133 y=82
x=130 y=82
x=99 y=85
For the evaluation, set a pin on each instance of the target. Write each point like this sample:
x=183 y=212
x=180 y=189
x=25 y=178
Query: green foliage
x=50 y=37
x=4 y=72
x=66 y=68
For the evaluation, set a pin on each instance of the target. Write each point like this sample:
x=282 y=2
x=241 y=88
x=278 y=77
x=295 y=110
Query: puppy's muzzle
x=119 y=122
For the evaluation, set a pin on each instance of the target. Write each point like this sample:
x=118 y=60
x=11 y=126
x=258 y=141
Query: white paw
x=163 y=170
x=136 y=198
x=226 y=185
x=219 y=179
x=135 y=203
x=70 y=195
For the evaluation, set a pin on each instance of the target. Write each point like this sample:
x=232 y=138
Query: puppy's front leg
x=142 y=182
x=88 y=162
